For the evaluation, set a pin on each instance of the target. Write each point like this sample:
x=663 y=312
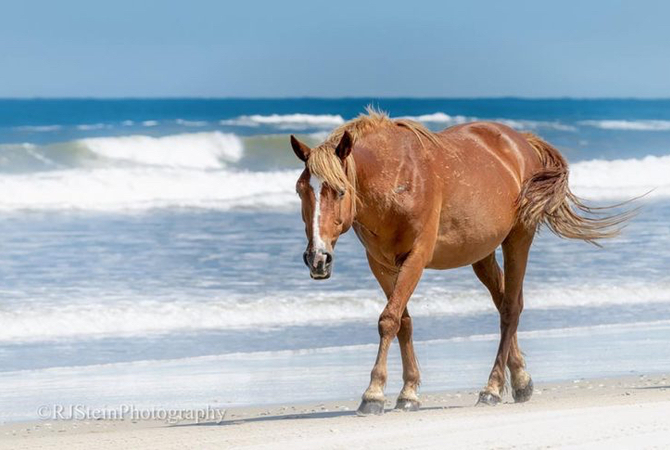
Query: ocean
x=151 y=255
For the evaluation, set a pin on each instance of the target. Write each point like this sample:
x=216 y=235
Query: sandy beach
x=629 y=412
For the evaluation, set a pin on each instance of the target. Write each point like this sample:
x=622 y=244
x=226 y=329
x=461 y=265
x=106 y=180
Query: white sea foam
x=40 y=128
x=194 y=150
x=92 y=126
x=141 y=316
x=150 y=123
x=138 y=316
x=288 y=121
x=632 y=125
x=440 y=117
x=117 y=189
x=191 y=123
x=623 y=178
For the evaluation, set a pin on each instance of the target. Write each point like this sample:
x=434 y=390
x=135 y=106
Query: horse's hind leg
x=489 y=273
x=515 y=252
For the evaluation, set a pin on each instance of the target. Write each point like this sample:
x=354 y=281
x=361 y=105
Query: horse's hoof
x=524 y=394
x=371 y=408
x=405 y=404
x=487 y=398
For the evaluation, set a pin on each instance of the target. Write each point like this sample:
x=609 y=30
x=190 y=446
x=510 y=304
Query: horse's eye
x=340 y=194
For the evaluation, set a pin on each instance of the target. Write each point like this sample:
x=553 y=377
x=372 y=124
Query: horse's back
x=496 y=140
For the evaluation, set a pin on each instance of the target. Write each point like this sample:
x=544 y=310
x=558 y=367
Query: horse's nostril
x=329 y=258
x=304 y=258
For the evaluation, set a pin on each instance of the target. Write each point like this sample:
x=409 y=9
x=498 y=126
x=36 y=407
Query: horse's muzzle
x=320 y=264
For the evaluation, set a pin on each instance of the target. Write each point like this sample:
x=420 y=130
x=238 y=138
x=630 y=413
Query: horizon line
x=328 y=98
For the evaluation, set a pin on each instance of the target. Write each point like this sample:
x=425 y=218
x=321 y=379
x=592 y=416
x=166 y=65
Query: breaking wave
x=114 y=189
x=288 y=121
x=237 y=311
x=195 y=150
x=622 y=178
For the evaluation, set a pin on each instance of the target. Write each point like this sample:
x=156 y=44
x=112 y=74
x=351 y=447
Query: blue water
x=163 y=238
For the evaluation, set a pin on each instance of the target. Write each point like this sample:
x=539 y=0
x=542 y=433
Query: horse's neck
x=362 y=208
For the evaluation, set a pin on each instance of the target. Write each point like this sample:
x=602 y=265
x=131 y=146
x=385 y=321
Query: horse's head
x=327 y=190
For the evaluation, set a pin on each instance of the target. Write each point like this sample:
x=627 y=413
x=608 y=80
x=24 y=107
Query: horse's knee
x=405 y=331
x=388 y=325
x=510 y=312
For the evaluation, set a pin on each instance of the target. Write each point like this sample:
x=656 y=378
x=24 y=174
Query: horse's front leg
x=390 y=323
x=408 y=400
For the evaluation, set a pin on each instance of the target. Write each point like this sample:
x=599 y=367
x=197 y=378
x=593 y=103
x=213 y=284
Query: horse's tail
x=546 y=198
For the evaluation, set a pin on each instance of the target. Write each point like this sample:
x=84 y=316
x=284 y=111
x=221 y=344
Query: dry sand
x=631 y=412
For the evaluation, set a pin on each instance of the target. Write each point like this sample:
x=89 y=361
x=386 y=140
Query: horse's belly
x=463 y=243
x=448 y=256
x=474 y=220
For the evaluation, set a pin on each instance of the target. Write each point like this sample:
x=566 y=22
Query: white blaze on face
x=316 y=184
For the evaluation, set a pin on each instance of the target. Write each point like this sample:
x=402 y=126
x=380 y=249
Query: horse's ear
x=300 y=149
x=344 y=147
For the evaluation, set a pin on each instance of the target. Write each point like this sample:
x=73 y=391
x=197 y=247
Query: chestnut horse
x=418 y=199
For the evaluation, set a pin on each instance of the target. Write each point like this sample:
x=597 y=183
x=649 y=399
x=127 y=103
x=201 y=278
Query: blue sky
x=201 y=48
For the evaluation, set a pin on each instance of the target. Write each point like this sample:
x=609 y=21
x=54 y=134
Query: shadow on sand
x=310 y=415
x=667 y=386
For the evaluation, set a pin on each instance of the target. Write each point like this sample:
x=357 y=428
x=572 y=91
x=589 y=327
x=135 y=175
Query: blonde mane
x=324 y=163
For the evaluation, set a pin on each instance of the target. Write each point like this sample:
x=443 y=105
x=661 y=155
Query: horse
x=417 y=200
